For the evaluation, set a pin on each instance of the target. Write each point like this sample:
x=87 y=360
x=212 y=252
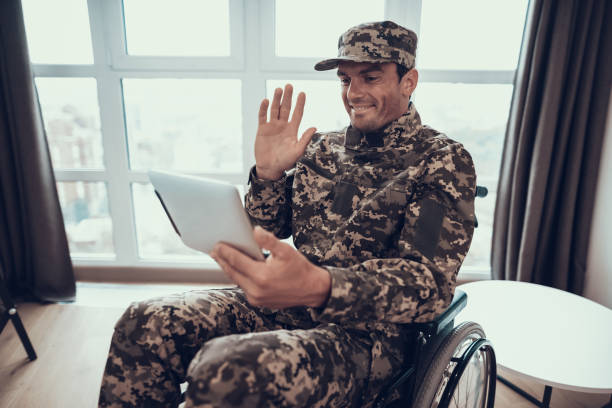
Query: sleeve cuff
x=341 y=303
x=264 y=196
x=254 y=179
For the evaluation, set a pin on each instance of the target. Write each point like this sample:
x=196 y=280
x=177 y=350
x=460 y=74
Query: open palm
x=277 y=146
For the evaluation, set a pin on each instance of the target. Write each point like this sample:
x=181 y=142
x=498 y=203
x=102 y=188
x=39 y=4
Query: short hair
x=401 y=71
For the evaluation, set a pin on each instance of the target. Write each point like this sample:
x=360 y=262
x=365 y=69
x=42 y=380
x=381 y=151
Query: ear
x=409 y=82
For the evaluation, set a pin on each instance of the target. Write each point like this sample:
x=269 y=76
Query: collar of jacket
x=394 y=134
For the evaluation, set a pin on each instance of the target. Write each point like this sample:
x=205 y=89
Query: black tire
x=472 y=390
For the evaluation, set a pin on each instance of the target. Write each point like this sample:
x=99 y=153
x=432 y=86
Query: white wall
x=598 y=284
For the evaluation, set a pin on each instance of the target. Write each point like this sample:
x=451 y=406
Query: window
x=72 y=121
x=187 y=125
x=69 y=42
x=129 y=85
x=188 y=26
x=295 y=18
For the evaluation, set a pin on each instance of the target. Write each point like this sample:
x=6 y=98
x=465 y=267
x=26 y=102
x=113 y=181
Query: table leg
x=23 y=335
x=10 y=313
x=545 y=403
x=547 y=395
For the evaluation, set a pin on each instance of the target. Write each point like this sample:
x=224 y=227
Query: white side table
x=544 y=334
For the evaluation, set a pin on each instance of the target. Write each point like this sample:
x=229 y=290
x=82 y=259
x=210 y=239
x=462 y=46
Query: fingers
x=232 y=273
x=280 y=108
x=235 y=259
x=306 y=138
x=285 y=107
x=276 y=101
x=268 y=241
x=263 y=111
x=298 y=112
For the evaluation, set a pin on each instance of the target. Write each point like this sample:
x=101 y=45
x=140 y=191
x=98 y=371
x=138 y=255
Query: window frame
x=253 y=62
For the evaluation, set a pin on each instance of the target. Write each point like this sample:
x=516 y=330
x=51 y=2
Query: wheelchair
x=454 y=366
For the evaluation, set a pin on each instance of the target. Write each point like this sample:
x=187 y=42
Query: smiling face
x=373 y=95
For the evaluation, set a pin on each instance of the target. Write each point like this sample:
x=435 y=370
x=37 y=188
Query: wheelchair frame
x=430 y=336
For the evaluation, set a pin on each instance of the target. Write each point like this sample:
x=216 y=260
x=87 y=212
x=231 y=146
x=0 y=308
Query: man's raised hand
x=277 y=146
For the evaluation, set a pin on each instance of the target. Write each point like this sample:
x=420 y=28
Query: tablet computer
x=205 y=211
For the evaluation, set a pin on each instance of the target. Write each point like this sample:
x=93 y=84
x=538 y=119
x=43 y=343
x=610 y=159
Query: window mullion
x=237 y=17
x=114 y=32
x=80 y=175
x=267 y=35
x=404 y=12
x=69 y=71
x=113 y=132
x=253 y=84
x=136 y=176
x=117 y=165
x=467 y=76
x=96 y=26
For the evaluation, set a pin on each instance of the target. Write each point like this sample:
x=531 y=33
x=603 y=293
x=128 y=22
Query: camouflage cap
x=383 y=41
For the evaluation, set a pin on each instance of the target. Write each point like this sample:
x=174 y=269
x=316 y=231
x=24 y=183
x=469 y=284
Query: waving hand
x=277 y=146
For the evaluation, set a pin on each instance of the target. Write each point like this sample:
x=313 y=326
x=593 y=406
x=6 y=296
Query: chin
x=365 y=127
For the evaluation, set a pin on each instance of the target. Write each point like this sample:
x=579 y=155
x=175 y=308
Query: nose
x=354 y=91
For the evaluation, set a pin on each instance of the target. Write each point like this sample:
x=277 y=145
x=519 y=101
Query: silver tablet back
x=205 y=211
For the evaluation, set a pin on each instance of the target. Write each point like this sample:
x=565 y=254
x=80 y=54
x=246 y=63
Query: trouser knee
x=141 y=323
x=138 y=370
x=233 y=371
x=150 y=331
x=180 y=324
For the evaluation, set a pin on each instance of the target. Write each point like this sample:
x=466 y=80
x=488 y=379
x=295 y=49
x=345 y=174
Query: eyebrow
x=364 y=71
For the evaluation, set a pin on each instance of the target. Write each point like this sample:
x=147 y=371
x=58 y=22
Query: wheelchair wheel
x=461 y=371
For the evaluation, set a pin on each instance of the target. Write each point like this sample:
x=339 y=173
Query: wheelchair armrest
x=439 y=323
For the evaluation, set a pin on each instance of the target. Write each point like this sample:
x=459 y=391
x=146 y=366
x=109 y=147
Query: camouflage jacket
x=389 y=214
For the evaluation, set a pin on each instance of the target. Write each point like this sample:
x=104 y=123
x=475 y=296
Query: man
x=381 y=214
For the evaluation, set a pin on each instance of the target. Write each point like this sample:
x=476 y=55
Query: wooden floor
x=71 y=341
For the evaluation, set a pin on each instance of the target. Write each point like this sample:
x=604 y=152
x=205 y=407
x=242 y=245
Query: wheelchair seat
x=453 y=365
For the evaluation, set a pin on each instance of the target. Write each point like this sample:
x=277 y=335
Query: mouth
x=361 y=108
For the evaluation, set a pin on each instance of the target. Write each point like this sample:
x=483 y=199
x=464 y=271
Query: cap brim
x=327 y=64
x=332 y=63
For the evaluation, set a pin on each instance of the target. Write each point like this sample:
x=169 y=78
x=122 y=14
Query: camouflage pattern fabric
x=232 y=354
x=378 y=42
x=390 y=215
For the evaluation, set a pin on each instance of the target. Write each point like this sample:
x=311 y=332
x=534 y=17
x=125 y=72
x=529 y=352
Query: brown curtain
x=34 y=252
x=553 y=143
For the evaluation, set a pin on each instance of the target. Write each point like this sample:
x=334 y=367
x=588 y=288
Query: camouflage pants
x=231 y=354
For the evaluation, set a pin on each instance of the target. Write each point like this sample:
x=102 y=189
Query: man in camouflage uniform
x=382 y=215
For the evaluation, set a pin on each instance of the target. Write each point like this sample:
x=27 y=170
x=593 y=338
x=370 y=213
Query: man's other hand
x=285 y=279
x=277 y=146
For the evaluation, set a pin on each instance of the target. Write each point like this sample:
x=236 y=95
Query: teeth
x=361 y=108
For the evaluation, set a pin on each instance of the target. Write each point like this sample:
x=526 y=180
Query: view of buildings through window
x=182 y=106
